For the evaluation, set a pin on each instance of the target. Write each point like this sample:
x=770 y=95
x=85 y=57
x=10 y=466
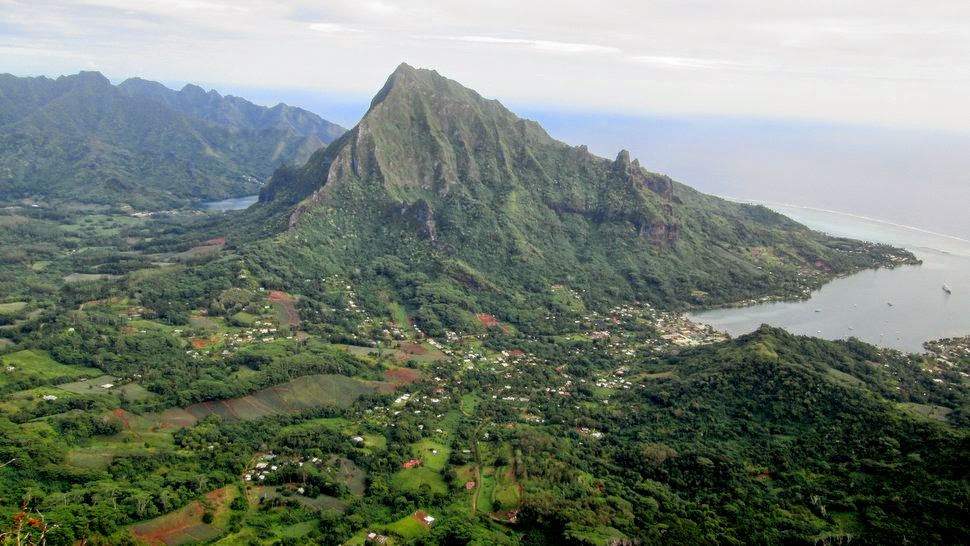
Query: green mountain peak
x=439 y=180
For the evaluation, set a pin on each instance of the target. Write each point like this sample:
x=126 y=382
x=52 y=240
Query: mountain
x=139 y=143
x=456 y=206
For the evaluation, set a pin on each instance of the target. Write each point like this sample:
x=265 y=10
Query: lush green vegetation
x=139 y=144
x=164 y=382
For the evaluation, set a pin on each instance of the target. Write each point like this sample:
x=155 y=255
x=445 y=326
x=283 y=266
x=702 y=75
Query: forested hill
x=141 y=144
x=459 y=206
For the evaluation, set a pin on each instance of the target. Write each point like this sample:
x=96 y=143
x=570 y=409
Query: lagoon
x=896 y=308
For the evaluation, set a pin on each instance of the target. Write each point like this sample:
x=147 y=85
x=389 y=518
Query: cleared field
x=432 y=454
x=420 y=352
x=486 y=489
x=244 y=318
x=925 y=411
x=181 y=527
x=13 y=307
x=505 y=495
x=300 y=394
x=82 y=277
x=413 y=479
x=409 y=527
x=321 y=502
x=398 y=377
x=130 y=391
x=38 y=365
x=284 y=307
x=205 y=323
x=138 y=436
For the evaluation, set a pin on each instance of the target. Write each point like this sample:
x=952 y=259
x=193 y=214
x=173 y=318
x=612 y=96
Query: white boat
x=946 y=288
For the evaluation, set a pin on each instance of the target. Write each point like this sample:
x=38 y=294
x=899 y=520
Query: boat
x=946 y=288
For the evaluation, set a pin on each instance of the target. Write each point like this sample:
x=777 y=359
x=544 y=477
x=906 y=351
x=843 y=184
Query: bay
x=233 y=203
x=897 y=308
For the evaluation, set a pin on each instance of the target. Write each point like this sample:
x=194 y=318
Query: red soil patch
x=490 y=321
x=487 y=321
x=516 y=352
x=218 y=496
x=763 y=476
x=128 y=330
x=216 y=241
x=187 y=518
x=401 y=376
x=122 y=416
x=200 y=342
x=278 y=296
x=419 y=516
x=412 y=348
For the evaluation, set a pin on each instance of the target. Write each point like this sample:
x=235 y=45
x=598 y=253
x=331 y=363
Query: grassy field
x=411 y=479
x=486 y=489
x=925 y=411
x=244 y=318
x=469 y=403
x=206 y=323
x=302 y=393
x=37 y=365
x=13 y=307
x=505 y=495
x=131 y=391
x=82 y=277
x=409 y=527
x=185 y=526
x=399 y=316
x=139 y=436
x=425 y=451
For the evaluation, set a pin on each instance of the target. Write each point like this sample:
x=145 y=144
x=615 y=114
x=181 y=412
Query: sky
x=857 y=106
x=886 y=62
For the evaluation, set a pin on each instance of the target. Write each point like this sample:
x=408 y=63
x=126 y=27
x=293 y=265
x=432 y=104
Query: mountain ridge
x=436 y=174
x=99 y=142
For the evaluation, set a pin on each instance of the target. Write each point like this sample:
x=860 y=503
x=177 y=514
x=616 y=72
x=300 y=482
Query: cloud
x=333 y=28
x=544 y=45
x=689 y=62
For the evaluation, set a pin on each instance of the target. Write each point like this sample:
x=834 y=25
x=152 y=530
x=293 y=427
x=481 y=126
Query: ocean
x=897 y=308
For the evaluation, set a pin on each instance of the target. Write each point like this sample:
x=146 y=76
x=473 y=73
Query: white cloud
x=545 y=45
x=330 y=28
x=885 y=61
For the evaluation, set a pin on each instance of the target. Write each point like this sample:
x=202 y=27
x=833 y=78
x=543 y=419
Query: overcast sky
x=887 y=62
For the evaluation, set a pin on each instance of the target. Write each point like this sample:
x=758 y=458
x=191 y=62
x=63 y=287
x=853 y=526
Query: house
x=428 y=519
x=469 y=485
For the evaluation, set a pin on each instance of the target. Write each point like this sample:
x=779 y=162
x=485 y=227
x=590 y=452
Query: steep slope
x=459 y=206
x=142 y=144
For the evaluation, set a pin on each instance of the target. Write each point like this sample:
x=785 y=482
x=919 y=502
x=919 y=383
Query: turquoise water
x=898 y=308
x=234 y=203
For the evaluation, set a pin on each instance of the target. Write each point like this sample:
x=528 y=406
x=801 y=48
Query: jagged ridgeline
x=141 y=144
x=459 y=206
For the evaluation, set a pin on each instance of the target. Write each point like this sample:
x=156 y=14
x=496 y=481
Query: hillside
x=141 y=144
x=458 y=206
